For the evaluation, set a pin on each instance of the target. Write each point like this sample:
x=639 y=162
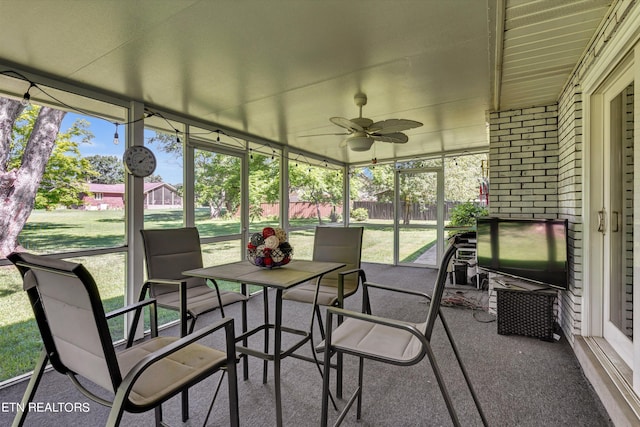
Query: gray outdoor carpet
x=521 y=381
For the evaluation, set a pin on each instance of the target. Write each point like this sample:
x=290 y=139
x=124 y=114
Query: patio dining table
x=280 y=279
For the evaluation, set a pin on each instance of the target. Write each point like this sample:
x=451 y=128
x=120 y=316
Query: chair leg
x=185 y=393
x=319 y=317
x=443 y=387
x=232 y=384
x=245 y=362
x=339 y=358
x=192 y=325
x=265 y=363
x=360 y=382
x=29 y=393
x=339 y=364
x=185 y=405
x=326 y=375
x=215 y=395
x=158 y=413
x=463 y=369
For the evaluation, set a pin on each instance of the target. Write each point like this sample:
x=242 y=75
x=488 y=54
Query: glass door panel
x=419 y=217
x=372 y=207
x=618 y=224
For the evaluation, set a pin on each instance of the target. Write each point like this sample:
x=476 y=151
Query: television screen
x=534 y=250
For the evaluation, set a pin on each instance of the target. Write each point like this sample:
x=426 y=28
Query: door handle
x=615 y=222
x=601 y=225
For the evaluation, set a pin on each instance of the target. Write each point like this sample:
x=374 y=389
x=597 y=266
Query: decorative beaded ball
x=269 y=249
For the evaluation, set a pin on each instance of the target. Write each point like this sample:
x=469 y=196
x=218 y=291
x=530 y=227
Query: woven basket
x=527 y=313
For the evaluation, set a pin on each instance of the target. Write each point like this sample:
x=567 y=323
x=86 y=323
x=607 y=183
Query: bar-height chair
x=73 y=325
x=390 y=341
x=169 y=252
x=333 y=244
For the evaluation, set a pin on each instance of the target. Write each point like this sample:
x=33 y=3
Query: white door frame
x=596 y=100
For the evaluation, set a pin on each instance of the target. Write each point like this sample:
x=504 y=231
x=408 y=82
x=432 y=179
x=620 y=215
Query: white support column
x=244 y=201
x=284 y=189
x=346 y=195
x=396 y=216
x=134 y=217
x=188 y=181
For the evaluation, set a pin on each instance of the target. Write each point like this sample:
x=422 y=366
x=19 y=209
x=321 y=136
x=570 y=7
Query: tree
x=217 y=182
x=19 y=181
x=316 y=185
x=108 y=169
x=462 y=177
x=461 y=182
x=264 y=183
x=153 y=178
x=66 y=172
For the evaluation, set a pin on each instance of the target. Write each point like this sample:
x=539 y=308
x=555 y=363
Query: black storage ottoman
x=528 y=313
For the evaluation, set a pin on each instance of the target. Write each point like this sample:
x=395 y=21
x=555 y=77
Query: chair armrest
x=354 y=270
x=129 y=380
x=128 y=308
x=366 y=301
x=160 y=281
x=399 y=290
x=392 y=323
x=341 y=276
x=182 y=289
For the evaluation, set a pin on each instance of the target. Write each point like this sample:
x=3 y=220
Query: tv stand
x=525 y=308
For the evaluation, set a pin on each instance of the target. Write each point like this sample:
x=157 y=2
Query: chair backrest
x=441 y=280
x=168 y=253
x=69 y=313
x=339 y=244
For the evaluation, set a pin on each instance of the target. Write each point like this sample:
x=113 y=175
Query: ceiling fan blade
x=346 y=123
x=388 y=126
x=323 y=134
x=396 y=137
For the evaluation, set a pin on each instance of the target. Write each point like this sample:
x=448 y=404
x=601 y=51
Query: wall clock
x=139 y=161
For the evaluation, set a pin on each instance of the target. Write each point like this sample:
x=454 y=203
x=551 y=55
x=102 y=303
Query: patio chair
x=333 y=244
x=168 y=253
x=390 y=341
x=69 y=313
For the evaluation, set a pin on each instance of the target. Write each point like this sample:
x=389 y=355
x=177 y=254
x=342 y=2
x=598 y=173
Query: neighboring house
x=157 y=195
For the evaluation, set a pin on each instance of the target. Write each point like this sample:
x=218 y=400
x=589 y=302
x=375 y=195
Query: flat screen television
x=531 y=249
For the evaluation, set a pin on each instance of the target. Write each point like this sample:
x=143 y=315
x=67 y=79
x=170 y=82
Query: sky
x=102 y=143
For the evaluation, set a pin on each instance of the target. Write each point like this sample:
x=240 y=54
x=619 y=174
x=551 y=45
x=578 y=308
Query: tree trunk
x=18 y=187
x=318 y=212
x=406 y=217
x=10 y=110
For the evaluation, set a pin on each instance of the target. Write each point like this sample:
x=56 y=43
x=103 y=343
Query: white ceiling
x=279 y=69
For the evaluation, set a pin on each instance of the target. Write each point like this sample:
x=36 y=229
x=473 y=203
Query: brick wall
x=523 y=162
x=570 y=204
x=523 y=167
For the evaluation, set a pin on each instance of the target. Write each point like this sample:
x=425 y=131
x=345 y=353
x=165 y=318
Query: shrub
x=360 y=214
x=465 y=214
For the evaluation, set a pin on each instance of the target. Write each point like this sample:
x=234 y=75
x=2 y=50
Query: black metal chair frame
x=424 y=338
x=122 y=385
x=181 y=284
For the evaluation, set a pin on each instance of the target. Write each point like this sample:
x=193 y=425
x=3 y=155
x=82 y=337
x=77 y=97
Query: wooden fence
x=384 y=210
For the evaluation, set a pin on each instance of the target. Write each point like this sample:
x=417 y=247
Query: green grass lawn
x=48 y=232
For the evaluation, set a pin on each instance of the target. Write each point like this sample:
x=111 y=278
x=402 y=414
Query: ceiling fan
x=363 y=131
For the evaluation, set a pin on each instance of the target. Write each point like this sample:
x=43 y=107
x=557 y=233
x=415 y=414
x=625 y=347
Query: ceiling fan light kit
x=359 y=142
